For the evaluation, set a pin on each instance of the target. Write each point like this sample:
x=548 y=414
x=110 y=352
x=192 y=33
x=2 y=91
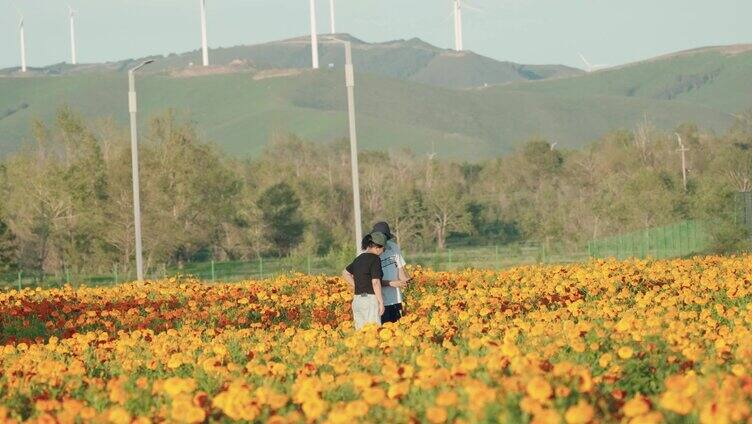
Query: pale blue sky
x=527 y=31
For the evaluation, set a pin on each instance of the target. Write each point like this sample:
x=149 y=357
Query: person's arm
x=395 y=283
x=400 y=284
x=377 y=290
x=347 y=275
x=402 y=277
x=377 y=277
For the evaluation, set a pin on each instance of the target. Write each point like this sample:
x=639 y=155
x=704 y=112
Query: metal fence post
x=212 y=271
x=115 y=274
x=496 y=256
x=261 y=268
x=309 y=264
x=19 y=280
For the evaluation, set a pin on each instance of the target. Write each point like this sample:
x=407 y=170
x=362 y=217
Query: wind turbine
x=458 y=25
x=333 y=29
x=23 y=42
x=71 y=15
x=204 y=43
x=314 y=37
x=589 y=67
x=459 y=44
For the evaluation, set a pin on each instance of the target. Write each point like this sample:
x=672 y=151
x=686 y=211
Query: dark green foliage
x=280 y=213
x=8 y=249
x=19 y=329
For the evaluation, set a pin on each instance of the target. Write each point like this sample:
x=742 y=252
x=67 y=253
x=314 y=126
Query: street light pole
x=683 y=151
x=350 y=83
x=133 y=109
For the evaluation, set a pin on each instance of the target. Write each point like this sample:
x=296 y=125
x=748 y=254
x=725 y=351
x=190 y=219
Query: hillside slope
x=714 y=77
x=240 y=112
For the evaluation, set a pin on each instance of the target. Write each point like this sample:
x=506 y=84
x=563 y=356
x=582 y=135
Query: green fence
x=450 y=259
x=671 y=241
x=681 y=239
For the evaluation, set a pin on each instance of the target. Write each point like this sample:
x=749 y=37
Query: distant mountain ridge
x=413 y=60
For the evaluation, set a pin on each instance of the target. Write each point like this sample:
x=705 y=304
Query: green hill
x=240 y=113
x=715 y=77
x=240 y=106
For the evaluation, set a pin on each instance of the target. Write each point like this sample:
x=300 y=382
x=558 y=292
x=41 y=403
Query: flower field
x=605 y=341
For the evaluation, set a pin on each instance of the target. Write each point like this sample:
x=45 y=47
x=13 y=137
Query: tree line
x=67 y=196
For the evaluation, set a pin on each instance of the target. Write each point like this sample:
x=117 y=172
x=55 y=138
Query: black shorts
x=392 y=313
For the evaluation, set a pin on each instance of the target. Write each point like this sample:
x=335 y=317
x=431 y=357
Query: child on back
x=364 y=276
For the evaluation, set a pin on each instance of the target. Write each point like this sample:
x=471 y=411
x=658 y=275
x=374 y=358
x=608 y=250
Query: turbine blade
x=473 y=8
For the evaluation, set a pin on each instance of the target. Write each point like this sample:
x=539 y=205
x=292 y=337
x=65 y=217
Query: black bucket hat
x=383 y=227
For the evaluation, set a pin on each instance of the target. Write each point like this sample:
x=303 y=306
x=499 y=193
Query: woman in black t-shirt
x=364 y=276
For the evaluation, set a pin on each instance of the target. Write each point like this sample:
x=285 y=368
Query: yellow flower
x=361 y=380
x=339 y=416
x=636 y=406
x=604 y=360
x=539 y=389
x=175 y=361
x=446 y=399
x=625 y=352
x=357 y=408
x=237 y=403
x=714 y=413
x=738 y=370
x=546 y=416
x=579 y=414
x=184 y=411
x=374 y=395
x=676 y=403
x=118 y=415
x=398 y=389
x=174 y=386
x=118 y=394
x=436 y=415
x=385 y=334
x=313 y=408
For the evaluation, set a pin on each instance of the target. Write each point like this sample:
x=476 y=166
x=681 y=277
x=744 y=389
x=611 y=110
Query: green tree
x=284 y=224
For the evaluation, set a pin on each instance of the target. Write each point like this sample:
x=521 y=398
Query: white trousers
x=365 y=310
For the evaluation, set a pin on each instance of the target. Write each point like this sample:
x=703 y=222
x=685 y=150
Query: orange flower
x=436 y=415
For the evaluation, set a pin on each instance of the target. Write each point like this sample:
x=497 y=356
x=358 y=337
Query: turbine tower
x=333 y=29
x=458 y=25
x=71 y=14
x=204 y=43
x=23 y=43
x=314 y=37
